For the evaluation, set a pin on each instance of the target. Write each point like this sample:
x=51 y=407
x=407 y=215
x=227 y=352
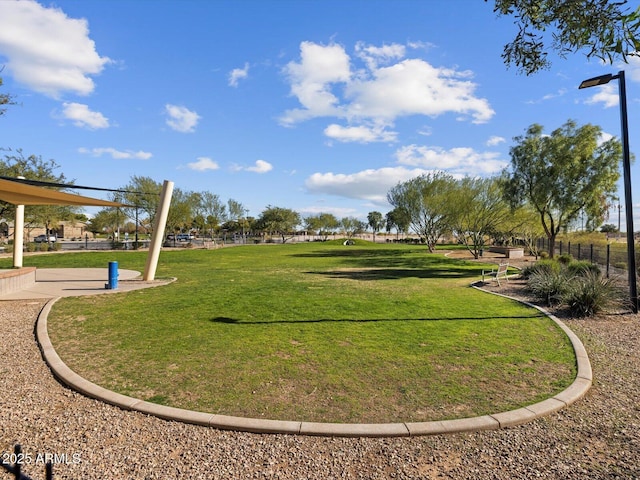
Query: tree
x=34 y=167
x=143 y=193
x=324 y=224
x=562 y=174
x=398 y=219
x=235 y=210
x=181 y=211
x=424 y=200
x=604 y=29
x=5 y=99
x=352 y=226
x=106 y=220
x=476 y=211
x=278 y=220
x=609 y=228
x=212 y=210
x=376 y=221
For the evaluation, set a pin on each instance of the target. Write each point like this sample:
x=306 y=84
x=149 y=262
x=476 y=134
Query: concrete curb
x=496 y=421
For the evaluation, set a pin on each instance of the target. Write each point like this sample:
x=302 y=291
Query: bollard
x=113 y=276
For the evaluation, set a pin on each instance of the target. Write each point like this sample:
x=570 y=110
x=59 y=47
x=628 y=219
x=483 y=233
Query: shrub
x=541 y=266
x=620 y=265
x=565 y=258
x=581 y=267
x=590 y=293
x=543 y=254
x=549 y=286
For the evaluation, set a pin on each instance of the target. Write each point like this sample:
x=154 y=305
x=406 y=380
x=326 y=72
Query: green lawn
x=316 y=332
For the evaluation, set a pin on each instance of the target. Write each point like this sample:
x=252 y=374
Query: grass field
x=315 y=332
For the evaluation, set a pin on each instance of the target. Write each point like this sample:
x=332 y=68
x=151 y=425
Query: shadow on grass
x=377 y=264
x=236 y=321
x=358 y=252
x=450 y=272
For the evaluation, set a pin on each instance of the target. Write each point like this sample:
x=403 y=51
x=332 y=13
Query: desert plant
x=549 y=286
x=589 y=293
x=581 y=267
x=541 y=266
x=565 y=258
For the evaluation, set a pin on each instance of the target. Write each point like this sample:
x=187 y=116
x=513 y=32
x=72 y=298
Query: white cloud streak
x=203 y=164
x=116 y=154
x=360 y=134
x=83 y=117
x=495 y=140
x=371 y=185
x=181 y=119
x=260 y=167
x=457 y=161
x=47 y=51
x=605 y=94
x=238 y=74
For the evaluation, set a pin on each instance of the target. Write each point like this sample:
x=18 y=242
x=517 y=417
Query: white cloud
x=371 y=184
x=361 y=134
x=551 y=96
x=604 y=137
x=459 y=160
x=237 y=74
x=83 y=117
x=495 y=140
x=181 y=119
x=339 y=212
x=632 y=68
x=46 y=50
x=373 y=56
x=327 y=83
x=606 y=94
x=116 y=154
x=203 y=164
x=311 y=79
x=259 y=167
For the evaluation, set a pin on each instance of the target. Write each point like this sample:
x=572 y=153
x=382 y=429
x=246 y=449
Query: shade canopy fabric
x=19 y=193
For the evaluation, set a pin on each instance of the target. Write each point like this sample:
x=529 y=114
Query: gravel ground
x=596 y=438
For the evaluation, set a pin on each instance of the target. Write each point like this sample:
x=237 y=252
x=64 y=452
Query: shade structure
x=19 y=193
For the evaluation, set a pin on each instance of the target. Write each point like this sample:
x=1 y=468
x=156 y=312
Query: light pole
x=626 y=167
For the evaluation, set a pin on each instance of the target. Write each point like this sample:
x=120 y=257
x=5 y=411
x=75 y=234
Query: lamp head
x=601 y=80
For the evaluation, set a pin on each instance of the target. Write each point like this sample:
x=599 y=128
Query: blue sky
x=318 y=106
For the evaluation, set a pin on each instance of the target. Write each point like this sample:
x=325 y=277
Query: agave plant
x=589 y=294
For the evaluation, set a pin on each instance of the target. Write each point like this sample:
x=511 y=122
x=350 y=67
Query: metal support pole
x=628 y=207
x=18 y=237
x=158 y=231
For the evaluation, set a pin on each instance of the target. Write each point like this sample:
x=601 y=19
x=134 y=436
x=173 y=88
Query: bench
x=496 y=274
x=508 y=252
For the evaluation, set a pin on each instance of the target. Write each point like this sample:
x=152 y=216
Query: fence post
x=608 y=257
x=579 y=251
x=569 y=248
x=560 y=247
x=591 y=253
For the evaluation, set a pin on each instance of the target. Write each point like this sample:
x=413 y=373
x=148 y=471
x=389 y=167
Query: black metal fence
x=612 y=257
x=12 y=463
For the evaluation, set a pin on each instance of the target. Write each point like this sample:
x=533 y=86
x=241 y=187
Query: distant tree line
x=553 y=180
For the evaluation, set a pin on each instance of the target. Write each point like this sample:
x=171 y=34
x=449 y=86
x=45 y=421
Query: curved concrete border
x=574 y=392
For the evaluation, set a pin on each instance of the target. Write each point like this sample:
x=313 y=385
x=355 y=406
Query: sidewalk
x=67 y=282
